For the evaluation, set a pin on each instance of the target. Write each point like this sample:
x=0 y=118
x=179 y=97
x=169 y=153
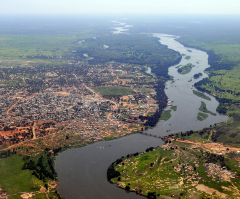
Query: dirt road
x=212 y=146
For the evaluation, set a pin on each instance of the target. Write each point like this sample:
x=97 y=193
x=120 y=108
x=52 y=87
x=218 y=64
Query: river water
x=180 y=91
x=122 y=29
x=82 y=171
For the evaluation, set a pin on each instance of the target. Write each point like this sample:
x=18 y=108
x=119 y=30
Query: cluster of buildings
x=63 y=100
x=188 y=170
x=218 y=173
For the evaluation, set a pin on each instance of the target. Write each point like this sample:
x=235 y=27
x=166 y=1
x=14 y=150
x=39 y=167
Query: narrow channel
x=82 y=171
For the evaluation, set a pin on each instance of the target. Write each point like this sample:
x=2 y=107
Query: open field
x=116 y=90
x=224 y=83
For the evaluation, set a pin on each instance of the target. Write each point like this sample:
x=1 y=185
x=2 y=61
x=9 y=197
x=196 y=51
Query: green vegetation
x=202 y=116
x=228 y=132
x=203 y=108
x=132 y=49
x=202 y=95
x=116 y=90
x=13 y=179
x=196 y=76
x=202 y=136
x=187 y=57
x=165 y=115
x=223 y=83
x=174 y=108
x=145 y=173
x=178 y=66
x=24 y=174
x=185 y=69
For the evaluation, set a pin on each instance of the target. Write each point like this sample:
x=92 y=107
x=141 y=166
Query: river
x=82 y=171
x=180 y=92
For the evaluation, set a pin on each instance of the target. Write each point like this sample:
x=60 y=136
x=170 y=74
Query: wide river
x=82 y=171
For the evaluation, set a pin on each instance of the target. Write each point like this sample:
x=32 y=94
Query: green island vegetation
x=202 y=116
x=185 y=69
x=174 y=108
x=202 y=95
x=165 y=115
x=203 y=108
x=116 y=90
x=188 y=57
x=196 y=76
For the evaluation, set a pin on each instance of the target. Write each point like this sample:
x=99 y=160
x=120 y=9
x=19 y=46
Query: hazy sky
x=119 y=6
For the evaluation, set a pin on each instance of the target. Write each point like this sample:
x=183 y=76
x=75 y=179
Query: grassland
x=166 y=114
x=13 y=179
x=185 y=69
x=224 y=83
x=202 y=95
x=188 y=57
x=48 y=49
x=202 y=136
x=111 y=91
x=203 y=108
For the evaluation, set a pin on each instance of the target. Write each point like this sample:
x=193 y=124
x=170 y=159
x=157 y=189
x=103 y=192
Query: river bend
x=82 y=171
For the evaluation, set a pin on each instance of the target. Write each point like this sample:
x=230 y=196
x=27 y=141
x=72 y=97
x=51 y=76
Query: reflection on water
x=82 y=171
